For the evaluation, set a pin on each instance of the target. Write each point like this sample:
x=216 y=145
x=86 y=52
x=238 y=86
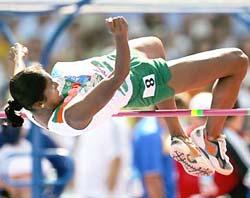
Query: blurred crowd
x=128 y=157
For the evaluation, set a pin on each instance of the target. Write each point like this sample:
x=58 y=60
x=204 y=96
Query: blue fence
x=37 y=153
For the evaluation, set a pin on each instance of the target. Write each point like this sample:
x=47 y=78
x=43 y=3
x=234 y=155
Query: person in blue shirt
x=151 y=160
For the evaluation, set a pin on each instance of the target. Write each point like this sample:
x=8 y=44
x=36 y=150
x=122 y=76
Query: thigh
x=149 y=47
x=200 y=69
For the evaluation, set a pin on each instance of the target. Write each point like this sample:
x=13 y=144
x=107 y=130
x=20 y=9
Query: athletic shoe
x=220 y=161
x=186 y=152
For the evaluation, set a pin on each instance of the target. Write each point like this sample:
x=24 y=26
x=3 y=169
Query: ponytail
x=10 y=111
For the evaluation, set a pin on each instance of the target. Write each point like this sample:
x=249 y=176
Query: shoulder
x=60 y=68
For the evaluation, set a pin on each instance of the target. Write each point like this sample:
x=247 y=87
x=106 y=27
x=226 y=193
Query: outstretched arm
x=80 y=114
x=16 y=56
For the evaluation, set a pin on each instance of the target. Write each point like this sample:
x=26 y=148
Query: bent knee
x=239 y=60
x=242 y=61
x=156 y=48
x=152 y=47
x=155 y=41
x=157 y=45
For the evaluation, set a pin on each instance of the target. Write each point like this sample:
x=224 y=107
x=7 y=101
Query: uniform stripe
x=58 y=116
x=197 y=112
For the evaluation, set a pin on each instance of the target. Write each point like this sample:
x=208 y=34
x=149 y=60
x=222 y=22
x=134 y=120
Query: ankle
x=179 y=134
x=211 y=147
x=211 y=138
x=211 y=135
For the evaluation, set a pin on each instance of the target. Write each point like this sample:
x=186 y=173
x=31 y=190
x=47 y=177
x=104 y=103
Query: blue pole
x=37 y=176
x=243 y=18
x=6 y=31
x=46 y=52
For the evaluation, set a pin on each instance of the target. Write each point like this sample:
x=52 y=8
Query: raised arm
x=16 y=56
x=80 y=114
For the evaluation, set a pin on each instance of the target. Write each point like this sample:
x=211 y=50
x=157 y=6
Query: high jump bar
x=185 y=112
x=175 y=113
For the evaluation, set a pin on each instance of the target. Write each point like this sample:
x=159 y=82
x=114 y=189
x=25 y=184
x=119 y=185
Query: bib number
x=149 y=86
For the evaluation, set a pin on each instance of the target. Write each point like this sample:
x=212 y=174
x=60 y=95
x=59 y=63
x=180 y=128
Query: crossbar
x=185 y=112
x=175 y=113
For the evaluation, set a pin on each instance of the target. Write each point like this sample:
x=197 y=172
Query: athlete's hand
x=18 y=51
x=117 y=25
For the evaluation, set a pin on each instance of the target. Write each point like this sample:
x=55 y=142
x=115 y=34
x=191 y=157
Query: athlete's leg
x=182 y=148
x=152 y=47
x=228 y=65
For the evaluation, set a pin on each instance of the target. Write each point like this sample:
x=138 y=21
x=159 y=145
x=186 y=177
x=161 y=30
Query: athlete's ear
x=38 y=105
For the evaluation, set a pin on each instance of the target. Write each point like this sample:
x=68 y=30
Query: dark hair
x=26 y=88
x=13 y=118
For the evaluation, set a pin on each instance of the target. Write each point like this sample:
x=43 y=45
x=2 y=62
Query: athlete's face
x=52 y=95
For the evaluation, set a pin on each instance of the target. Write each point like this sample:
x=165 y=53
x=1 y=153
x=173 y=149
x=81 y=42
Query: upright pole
x=37 y=176
x=47 y=49
x=7 y=33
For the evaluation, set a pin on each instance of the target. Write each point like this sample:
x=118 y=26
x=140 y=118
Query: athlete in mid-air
x=78 y=96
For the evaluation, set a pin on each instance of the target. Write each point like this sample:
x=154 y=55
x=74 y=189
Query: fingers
x=18 y=46
x=117 y=24
x=17 y=51
x=123 y=22
x=110 y=24
x=25 y=51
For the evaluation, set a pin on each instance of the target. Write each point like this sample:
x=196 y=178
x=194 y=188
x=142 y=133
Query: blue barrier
x=37 y=182
x=48 y=152
x=243 y=18
x=37 y=169
x=46 y=52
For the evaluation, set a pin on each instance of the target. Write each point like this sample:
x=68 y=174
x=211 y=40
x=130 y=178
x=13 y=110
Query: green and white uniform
x=145 y=85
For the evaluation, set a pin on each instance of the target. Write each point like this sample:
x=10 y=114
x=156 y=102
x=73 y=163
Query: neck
x=42 y=117
x=43 y=112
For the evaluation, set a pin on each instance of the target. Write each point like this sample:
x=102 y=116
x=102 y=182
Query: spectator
x=152 y=160
x=102 y=161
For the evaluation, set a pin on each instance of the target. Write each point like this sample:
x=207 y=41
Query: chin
x=60 y=99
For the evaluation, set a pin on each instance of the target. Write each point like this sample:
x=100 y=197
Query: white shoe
x=184 y=151
x=220 y=161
